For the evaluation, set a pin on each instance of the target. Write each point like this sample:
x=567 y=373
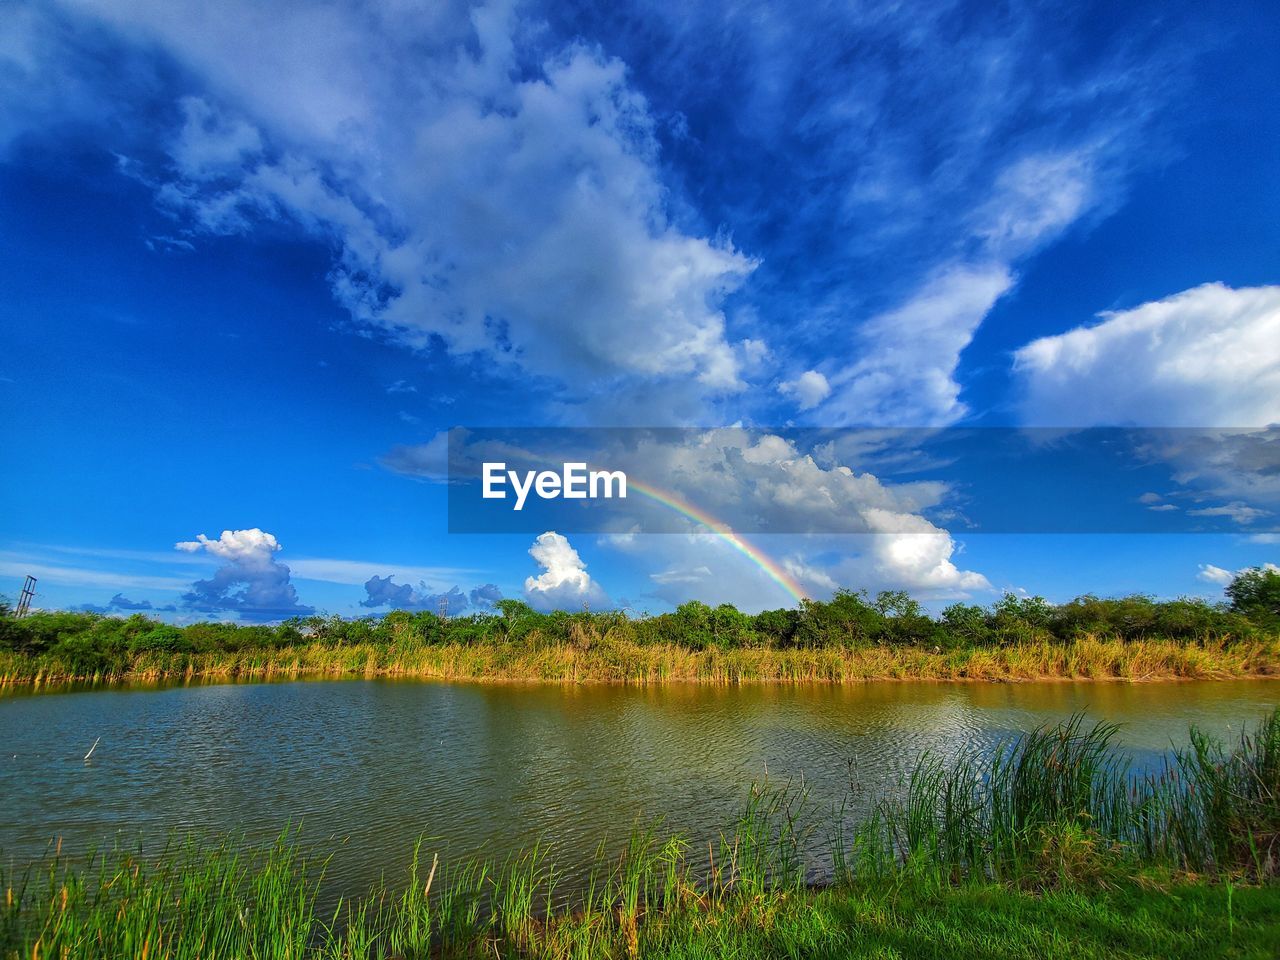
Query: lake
x=493 y=768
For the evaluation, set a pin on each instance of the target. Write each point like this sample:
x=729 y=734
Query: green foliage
x=1044 y=847
x=90 y=644
x=1256 y=594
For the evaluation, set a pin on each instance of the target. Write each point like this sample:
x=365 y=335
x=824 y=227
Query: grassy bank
x=850 y=637
x=619 y=660
x=1045 y=847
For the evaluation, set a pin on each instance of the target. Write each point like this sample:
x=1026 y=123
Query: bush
x=91 y=642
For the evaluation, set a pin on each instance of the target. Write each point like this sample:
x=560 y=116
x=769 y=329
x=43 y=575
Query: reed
x=1064 y=797
x=618 y=660
x=995 y=848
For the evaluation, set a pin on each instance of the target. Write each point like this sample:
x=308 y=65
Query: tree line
x=849 y=618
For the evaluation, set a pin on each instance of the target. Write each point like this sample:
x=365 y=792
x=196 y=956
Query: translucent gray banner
x=840 y=481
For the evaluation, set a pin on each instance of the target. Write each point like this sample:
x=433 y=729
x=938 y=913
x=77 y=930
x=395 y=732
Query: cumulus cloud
x=762 y=484
x=120 y=603
x=702 y=566
x=564 y=583
x=251 y=583
x=1211 y=574
x=484 y=191
x=1205 y=357
x=485 y=596
x=492 y=187
x=384 y=592
x=1222 y=577
x=749 y=479
x=809 y=389
x=922 y=562
x=754 y=480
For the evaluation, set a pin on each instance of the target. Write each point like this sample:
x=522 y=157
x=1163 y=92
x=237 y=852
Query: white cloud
x=765 y=486
x=809 y=389
x=1036 y=198
x=17 y=565
x=1206 y=357
x=482 y=192
x=252 y=547
x=429 y=460
x=492 y=189
x=1240 y=513
x=210 y=144
x=746 y=478
x=1217 y=575
x=922 y=562
x=702 y=566
x=908 y=356
x=1211 y=574
x=333 y=570
x=706 y=567
x=250 y=583
x=751 y=480
x=815 y=578
x=682 y=575
x=564 y=582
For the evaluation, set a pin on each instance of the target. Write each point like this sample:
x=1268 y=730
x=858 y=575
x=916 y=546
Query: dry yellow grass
x=611 y=659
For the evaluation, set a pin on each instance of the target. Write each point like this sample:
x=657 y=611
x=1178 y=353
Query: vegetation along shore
x=851 y=637
x=1045 y=846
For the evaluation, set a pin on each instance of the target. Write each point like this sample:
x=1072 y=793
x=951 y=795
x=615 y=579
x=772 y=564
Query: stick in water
x=91 y=749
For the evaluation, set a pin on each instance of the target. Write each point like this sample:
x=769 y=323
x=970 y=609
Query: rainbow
x=770 y=567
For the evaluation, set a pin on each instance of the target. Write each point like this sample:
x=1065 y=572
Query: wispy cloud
x=19 y=565
x=333 y=570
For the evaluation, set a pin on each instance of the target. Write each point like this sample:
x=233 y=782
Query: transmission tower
x=28 y=592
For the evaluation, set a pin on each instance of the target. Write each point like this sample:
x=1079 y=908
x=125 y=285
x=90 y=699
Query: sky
x=257 y=259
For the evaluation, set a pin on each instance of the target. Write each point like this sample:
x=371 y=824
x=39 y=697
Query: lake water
x=494 y=768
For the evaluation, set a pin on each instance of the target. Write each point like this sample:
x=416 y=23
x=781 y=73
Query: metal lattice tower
x=28 y=593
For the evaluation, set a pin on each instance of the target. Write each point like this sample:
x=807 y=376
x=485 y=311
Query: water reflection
x=494 y=768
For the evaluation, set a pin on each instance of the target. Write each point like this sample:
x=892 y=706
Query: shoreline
x=1088 y=659
x=1047 y=838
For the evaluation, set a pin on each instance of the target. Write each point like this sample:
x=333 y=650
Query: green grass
x=1045 y=847
x=847 y=638
x=912 y=920
x=614 y=659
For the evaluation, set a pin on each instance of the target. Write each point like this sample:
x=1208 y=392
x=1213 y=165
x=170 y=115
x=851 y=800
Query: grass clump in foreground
x=1047 y=846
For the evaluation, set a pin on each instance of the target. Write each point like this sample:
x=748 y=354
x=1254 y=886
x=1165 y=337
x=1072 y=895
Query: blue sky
x=254 y=258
